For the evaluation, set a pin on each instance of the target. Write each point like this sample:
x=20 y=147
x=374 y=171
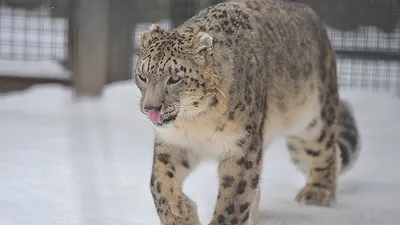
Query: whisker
x=134 y=94
x=220 y=91
x=217 y=76
x=187 y=107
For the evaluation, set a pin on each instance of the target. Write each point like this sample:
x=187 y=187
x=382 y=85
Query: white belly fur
x=199 y=135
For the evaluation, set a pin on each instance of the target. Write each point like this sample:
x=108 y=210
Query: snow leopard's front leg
x=238 y=184
x=171 y=165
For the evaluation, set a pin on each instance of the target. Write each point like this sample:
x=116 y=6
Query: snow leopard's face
x=174 y=74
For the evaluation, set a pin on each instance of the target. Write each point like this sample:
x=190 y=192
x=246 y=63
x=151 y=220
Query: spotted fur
x=226 y=82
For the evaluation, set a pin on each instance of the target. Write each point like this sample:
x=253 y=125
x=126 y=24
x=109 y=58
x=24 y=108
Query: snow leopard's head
x=174 y=74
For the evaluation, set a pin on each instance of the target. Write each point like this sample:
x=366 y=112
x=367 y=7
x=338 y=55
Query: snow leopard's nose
x=148 y=108
x=153 y=98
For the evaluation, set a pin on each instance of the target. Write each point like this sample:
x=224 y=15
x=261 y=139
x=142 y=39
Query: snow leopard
x=225 y=83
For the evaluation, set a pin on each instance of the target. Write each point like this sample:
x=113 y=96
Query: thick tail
x=349 y=138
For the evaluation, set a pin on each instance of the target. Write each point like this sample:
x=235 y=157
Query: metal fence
x=364 y=33
x=31 y=35
x=44 y=41
x=34 y=42
x=366 y=37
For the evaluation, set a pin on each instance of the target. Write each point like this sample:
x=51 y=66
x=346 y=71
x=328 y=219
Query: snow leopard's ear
x=150 y=35
x=202 y=44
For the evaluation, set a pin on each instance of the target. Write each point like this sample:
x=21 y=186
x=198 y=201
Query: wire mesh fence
x=366 y=37
x=30 y=35
x=34 y=43
x=368 y=58
x=30 y=30
x=365 y=34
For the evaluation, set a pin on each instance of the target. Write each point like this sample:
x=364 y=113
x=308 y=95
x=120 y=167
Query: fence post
x=120 y=40
x=92 y=47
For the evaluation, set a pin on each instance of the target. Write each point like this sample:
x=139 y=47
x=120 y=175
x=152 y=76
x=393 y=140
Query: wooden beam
x=92 y=47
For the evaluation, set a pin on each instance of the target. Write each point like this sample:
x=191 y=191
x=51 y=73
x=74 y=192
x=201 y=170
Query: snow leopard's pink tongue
x=154 y=116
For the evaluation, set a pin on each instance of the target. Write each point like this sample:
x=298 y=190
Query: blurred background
x=63 y=161
x=55 y=34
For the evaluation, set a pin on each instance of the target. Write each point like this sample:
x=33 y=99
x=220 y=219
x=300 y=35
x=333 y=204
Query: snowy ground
x=88 y=163
x=34 y=69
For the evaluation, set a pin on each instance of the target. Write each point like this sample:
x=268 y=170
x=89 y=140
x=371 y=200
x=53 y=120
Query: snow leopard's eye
x=174 y=79
x=142 y=77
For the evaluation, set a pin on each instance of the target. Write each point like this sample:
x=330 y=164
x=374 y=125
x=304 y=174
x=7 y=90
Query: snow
x=87 y=162
x=34 y=69
x=65 y=161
